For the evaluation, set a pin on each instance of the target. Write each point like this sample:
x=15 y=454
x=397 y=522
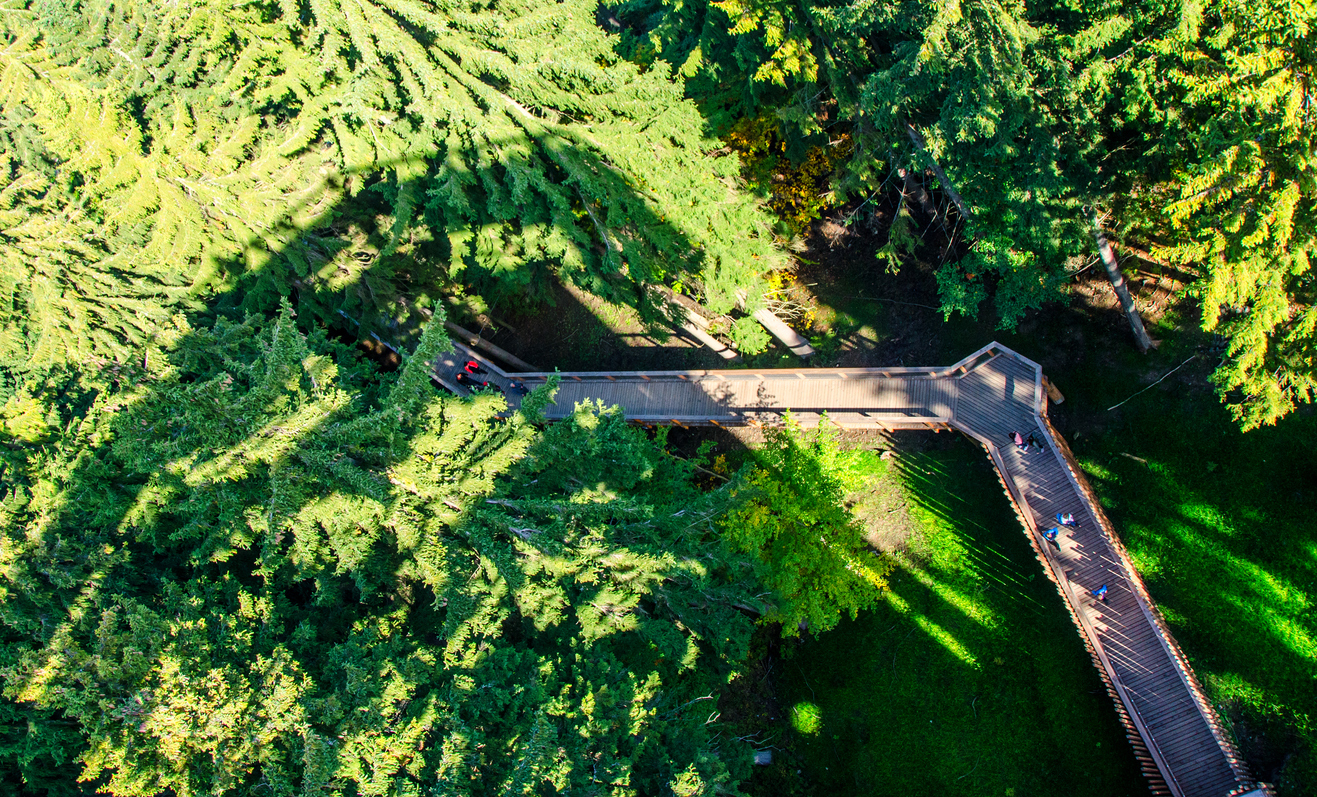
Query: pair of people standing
x=1067 y=519
x=466 y=380
x=1025 y=444
x=467 y=377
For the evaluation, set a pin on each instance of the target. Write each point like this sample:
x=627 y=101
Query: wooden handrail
x=718 y=410
x=1149 y=608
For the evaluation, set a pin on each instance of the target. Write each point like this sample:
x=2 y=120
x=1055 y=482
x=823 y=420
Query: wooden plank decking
x=1175 y=732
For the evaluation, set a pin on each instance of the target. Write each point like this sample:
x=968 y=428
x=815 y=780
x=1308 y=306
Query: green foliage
x=36 y=752
x=247 y=574
x=979 y=91
x=362 y=156
x=807 y=718
x=901 y=242
x=1193 y=123
x=747 y=335
x=797 y=192
x=991 y=95
x=969 y=675
x=26 y=419
x=794 y=520
x=1237 y=93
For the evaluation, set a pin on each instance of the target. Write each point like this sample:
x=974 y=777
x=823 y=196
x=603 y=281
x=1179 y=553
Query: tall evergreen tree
x=360 y=154
x=253 y=573
x=1232 y=86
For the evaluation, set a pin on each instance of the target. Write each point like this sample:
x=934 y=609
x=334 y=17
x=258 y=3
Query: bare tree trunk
x=472 y=339
x=1141 y=338
x=947 y=187
x=686 y=316
x=792 y=339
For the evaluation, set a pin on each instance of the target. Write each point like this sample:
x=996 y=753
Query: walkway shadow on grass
x=1232 y=589
x=969 y=677
x=925 y=479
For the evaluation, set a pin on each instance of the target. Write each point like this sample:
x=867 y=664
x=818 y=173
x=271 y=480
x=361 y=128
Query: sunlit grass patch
x=935 y=632
x=970 y=671
x=807 y=718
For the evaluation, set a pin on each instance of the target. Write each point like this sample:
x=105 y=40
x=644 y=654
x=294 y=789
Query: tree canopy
x=237 y=558
x=257 y=573
x=793 y=518
x=362 y=155
x=1185 y=125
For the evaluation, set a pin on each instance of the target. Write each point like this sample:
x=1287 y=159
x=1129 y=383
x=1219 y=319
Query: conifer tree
x=360 y=154
x=1238 y=98
x=260 y=572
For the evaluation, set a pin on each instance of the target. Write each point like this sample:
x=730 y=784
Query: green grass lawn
x=1223 y=527
x=1221 y=524
x=971 y=679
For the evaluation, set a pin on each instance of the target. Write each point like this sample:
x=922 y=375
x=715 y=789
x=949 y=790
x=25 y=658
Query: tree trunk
x=474 y=340
x=690 y=327
x=1141 y=338
x=789 y=337
x=947 y=187
x=914 y=189
x=686 y=316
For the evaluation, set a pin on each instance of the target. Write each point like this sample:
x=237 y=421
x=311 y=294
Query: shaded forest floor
x=1219 y=523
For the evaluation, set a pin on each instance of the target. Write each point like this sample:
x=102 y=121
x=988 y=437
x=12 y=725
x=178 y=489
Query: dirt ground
x=580 y=332
x=857 y=311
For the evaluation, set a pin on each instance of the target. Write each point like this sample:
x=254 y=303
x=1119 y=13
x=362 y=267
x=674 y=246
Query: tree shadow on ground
x=577 y=331
x=970 y=676
x=153 y=543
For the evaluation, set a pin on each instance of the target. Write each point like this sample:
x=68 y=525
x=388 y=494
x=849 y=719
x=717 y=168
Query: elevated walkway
x=1177 y=737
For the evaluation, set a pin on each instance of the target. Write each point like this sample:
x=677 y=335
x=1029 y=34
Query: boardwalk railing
x=1177 y=736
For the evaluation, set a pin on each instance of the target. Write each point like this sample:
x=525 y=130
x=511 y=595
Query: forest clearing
x=415 y=398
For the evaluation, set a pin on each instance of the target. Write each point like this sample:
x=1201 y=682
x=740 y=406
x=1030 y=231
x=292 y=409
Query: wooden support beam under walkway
x=1177 y=736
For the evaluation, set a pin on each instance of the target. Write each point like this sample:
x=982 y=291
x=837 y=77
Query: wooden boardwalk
x=1176 y=735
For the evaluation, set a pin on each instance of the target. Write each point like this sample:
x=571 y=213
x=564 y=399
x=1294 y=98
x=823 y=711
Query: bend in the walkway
x=1178 y=738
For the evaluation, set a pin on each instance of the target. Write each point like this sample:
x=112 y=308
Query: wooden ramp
x=1176 y=734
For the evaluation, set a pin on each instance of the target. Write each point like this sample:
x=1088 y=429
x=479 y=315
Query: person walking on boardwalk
x=1101 y=593
x=1033 y=443
x=1018 y=440
x=1051 y=534
x=472 y=367
x=1068 y=519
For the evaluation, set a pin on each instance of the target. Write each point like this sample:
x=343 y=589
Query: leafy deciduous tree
x=793 y=519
